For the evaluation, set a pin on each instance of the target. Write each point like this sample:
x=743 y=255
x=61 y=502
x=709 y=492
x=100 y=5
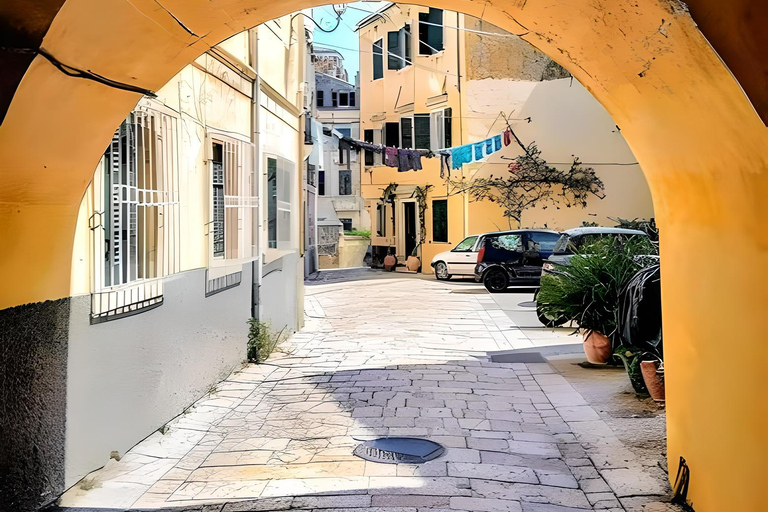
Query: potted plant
x=587 y=289
x=639 y=327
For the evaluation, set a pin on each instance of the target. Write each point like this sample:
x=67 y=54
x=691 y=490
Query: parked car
x=513 y=257
x=459 y=261
x=570 y=243
x=572 y=240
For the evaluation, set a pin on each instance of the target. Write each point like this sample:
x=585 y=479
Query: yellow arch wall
x=702 y=146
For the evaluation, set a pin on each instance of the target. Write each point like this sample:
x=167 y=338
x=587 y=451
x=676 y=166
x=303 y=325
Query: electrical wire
x=90 y=75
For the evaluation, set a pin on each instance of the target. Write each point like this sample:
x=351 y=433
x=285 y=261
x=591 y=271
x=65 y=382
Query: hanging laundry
x=404 y=160
x=497 y=143
x=478 y=148
x=461 y=155
x=415 y=158
x=507 y=137
x=445 y=165
x=488 y=147
x=390 y=157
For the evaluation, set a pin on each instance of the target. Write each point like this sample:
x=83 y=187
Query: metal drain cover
x=399 y=450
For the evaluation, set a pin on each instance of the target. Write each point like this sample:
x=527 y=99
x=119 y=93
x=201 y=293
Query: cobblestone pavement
x=396 y=357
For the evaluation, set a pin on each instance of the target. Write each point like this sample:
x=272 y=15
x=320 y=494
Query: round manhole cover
x=396 y=450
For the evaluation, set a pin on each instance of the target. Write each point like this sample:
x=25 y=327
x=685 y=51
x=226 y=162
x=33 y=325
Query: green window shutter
x=378 y=60
x=424 y=34
x=440 y=220
x=421 y=131
x=405 y=44
x=448 y=127
x=393 y=51
x=435 y=37
x=406 y=132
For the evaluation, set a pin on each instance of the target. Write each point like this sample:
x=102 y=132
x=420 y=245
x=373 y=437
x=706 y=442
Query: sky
x=344 y=35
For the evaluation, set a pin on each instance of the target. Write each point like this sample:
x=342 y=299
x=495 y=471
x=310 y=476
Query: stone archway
x=697 y=136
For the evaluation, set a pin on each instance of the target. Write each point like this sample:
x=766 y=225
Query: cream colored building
x=432 y=79
x=192 y=224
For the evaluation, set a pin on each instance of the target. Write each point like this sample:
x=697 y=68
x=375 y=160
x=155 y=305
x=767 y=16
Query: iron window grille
x=134 y=224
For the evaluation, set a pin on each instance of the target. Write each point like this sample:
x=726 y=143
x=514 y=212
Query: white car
x=459 y=261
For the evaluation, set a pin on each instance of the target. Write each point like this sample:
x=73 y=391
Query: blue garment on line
x=497 y=143
x=488 y=146
x=479 y=148
x=461 y=155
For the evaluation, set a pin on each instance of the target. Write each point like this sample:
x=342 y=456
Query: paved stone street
x=395 y=356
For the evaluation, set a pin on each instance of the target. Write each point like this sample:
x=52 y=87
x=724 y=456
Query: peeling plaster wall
x=127 y=377
x=33 y=375
x=504 y=56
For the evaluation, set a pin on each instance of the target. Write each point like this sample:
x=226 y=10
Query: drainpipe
x=256 y=265
x=465 y=196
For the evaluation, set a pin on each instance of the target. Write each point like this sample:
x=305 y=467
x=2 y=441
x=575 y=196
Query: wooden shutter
x=421 y=131
x=368 y=137
x=393 y=50
x=448 y=130
x=406 y=132
x=378 y=60
x=435 y=37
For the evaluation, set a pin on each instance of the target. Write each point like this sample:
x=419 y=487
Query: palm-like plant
x=587 y=290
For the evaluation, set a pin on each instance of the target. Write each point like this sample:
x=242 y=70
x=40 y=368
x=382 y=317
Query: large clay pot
x=597 y=347
x=412 y=263
x=653 y=381
x=390 y=262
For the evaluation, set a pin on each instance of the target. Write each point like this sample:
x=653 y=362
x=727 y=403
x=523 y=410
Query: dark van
x=514 y=257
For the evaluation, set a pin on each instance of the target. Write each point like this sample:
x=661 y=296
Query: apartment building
x=193 y=223
x=432 y=79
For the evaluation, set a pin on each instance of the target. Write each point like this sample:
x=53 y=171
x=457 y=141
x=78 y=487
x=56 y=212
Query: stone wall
x=33 y=403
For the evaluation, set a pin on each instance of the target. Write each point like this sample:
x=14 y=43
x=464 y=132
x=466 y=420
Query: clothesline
x=406 y=159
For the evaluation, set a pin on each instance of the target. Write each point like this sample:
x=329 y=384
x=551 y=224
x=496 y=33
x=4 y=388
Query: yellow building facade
x=432 y=79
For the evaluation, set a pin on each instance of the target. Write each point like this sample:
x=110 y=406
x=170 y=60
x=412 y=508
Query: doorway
x=411 y=227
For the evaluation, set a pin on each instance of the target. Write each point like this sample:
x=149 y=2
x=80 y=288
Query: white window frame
x=437 y=129
x=127 y=272
x=240 y=201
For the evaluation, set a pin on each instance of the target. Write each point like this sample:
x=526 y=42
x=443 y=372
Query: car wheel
x=496 y=281
x=441 y=271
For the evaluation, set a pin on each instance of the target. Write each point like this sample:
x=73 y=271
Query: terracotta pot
x=389 y=262
x=597 y=347
x=412 y=263
x=653 y=381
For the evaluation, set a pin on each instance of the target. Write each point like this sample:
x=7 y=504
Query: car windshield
x=573 y=244
x=466 y=244
x=561 y=246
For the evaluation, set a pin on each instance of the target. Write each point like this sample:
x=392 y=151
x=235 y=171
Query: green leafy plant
x=530 y=181
x=262 y=340
x=587 y=289
x=359 y=232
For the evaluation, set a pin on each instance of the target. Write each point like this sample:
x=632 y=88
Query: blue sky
x=344 y=35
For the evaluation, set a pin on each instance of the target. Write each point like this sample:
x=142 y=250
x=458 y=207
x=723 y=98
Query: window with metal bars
x=135 y=222
x=279 y=199
x=233 y=203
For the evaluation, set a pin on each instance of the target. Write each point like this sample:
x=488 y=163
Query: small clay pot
x=597 y=347
x=653 y=381
x=412 y=263
x=390 y=262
